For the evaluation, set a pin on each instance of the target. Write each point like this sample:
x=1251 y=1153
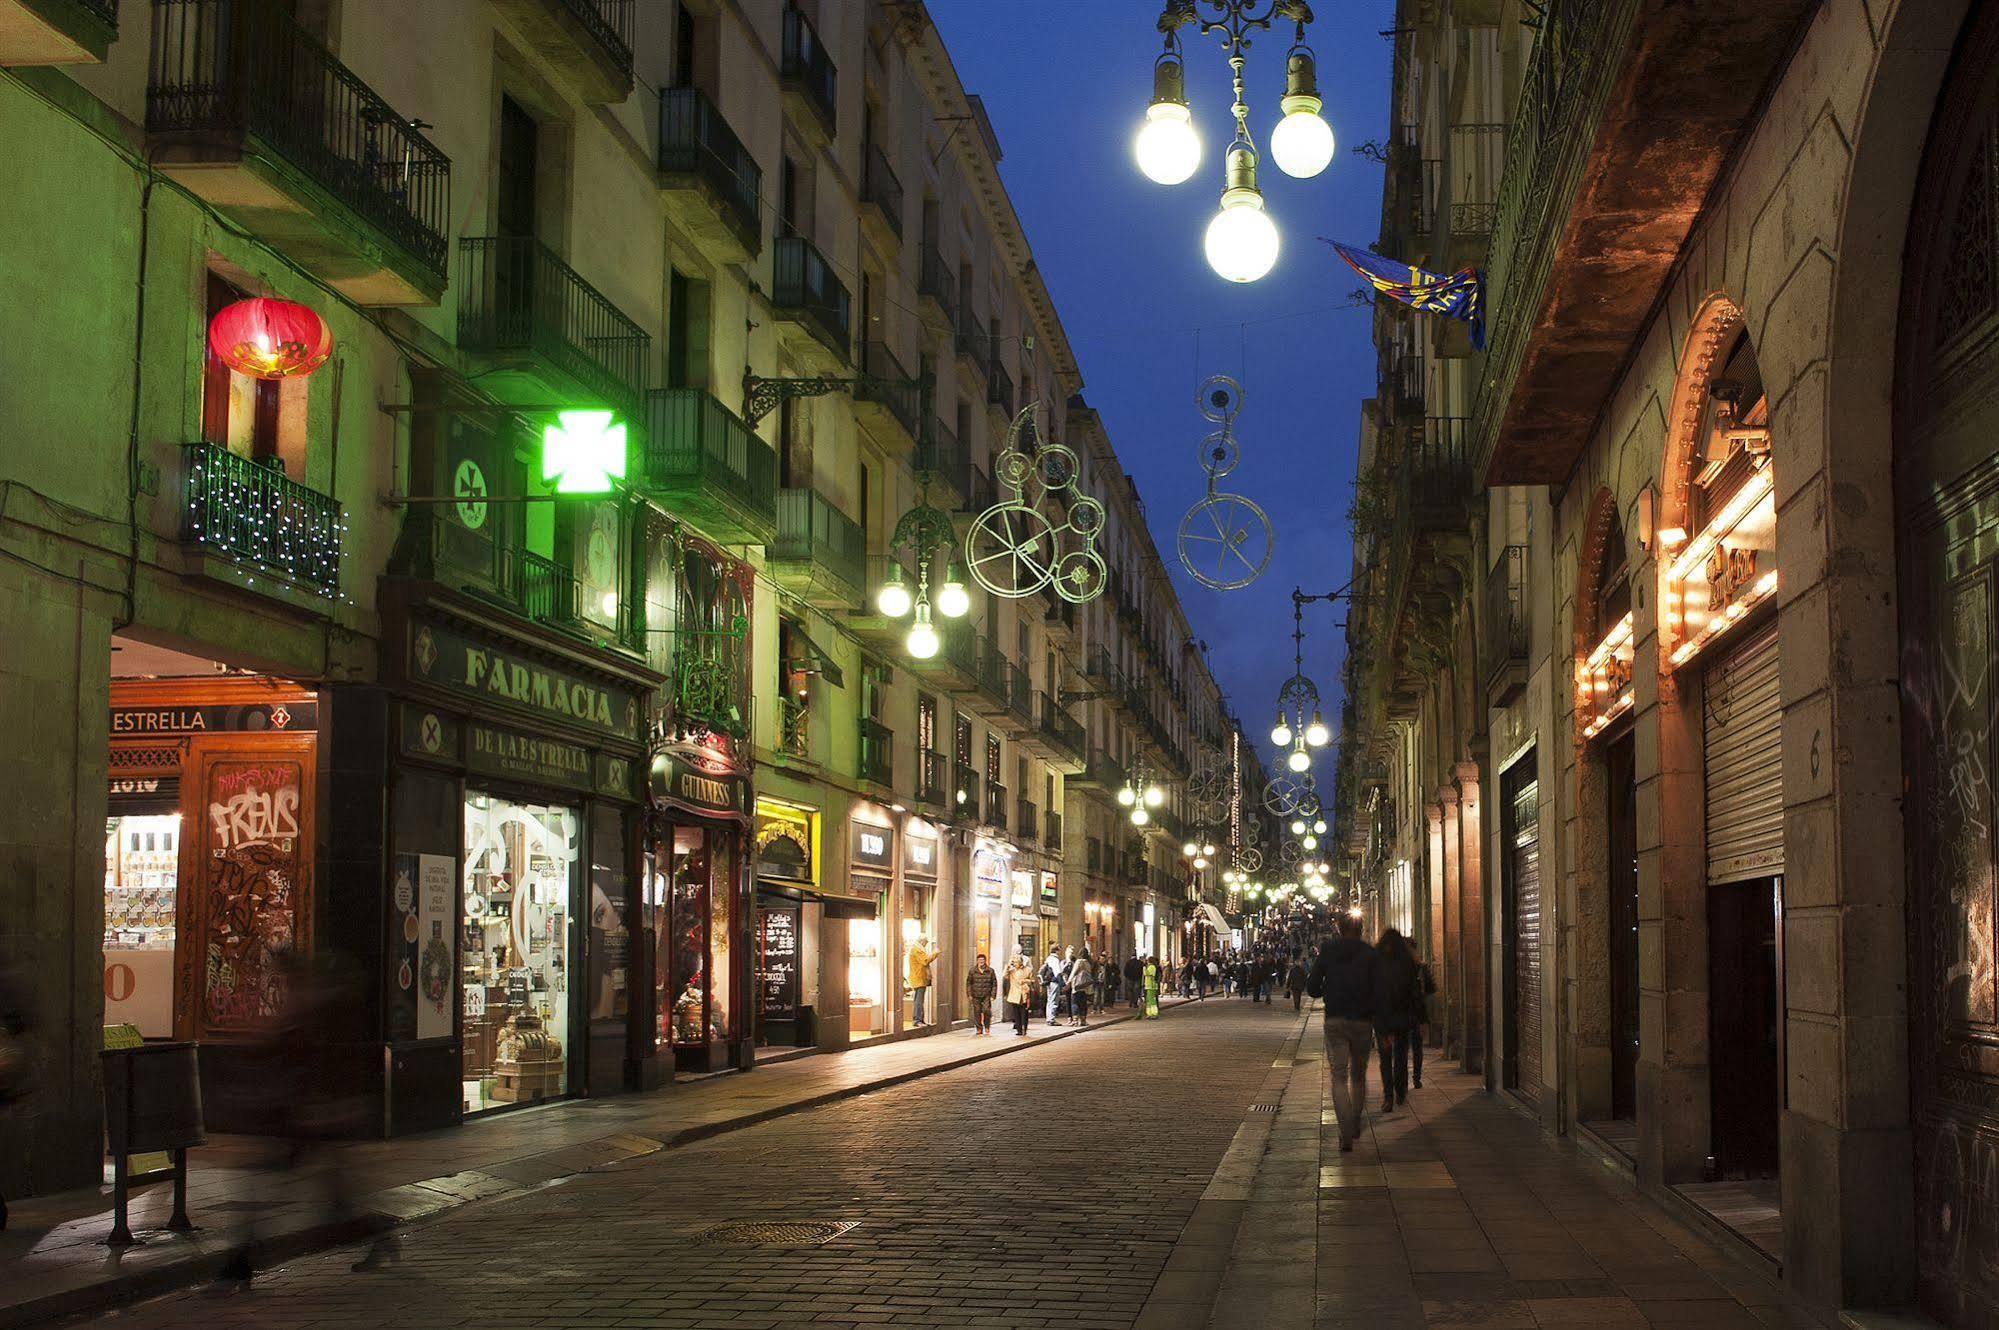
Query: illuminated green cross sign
x=584 y=452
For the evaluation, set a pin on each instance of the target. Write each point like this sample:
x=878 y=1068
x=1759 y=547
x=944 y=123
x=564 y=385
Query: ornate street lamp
x=1140 y=795
x=922 y=532
x=1241 y=242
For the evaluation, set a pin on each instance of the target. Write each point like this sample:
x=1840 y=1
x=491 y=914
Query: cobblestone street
x=1136 y=1175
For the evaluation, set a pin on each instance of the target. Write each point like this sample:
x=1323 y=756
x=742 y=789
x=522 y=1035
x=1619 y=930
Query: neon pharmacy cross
x=584 y=452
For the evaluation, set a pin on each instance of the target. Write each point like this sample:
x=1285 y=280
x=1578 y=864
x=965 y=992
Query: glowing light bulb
x=1154 y=796
x=1241 y=241
x=1139 y=817
x=1127 y=796
x=1316 y=733
x=1300 y=760
x=893 y=599
x=1167 y=148
x=1280 y=734
x=922 y=640
x=953 y=600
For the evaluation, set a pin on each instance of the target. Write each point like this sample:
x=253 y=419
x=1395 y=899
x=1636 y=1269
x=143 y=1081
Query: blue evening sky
x=1066 y=86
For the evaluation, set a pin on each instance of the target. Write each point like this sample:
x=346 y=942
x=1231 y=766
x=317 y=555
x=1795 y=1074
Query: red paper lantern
x=270 y=339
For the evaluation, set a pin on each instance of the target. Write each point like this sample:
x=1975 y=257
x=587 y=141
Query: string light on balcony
x=1241 y=242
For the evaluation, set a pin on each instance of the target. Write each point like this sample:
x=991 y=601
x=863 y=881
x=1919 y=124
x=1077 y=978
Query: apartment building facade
x=329 y=671
x=1668 y=714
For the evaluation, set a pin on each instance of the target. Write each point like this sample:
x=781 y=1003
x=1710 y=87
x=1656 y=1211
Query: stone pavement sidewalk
x=1455 y=1210
x=57 y=1263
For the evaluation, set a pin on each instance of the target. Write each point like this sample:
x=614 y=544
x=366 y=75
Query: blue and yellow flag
x=1458 y=296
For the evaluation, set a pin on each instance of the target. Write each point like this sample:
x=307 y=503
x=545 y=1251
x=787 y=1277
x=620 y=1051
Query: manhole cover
x=1263 y=1108
x=764 y=1233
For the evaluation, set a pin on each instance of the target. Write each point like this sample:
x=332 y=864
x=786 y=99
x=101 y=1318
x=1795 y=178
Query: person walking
x=1052 y=974
x=1017 y=991
x=1082 y=982
x=1398 y=1012
x=1134 y=980
x=1427 y=987
x=1295 y=980
x=981 y=982
x=1149 y=979
x=916 y=964
x=1345 y=978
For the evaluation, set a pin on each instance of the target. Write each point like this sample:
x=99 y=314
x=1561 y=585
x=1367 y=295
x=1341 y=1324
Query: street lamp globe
x=1154 y=796
x=1127 y=796
x=1241 y=242
x=1280 y=733
x=1302 y=142
x=1167 y=148
x=1190 y=849
x=1297 y=826
x=893 y=598
x=1300 y=760
x=953 y=600
x=922 y=640
x=1316 y=733
x=1139 y=817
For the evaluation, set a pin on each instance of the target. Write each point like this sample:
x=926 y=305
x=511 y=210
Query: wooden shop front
x=513 y=857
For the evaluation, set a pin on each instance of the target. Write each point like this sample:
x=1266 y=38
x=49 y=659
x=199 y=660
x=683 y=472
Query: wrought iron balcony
x=819 y=552
x=255 y=516
x=974 y=344
x=932 y=778
x=1477 y=158
x=56 y=32
x=946 y=458
x=545 y=330
x=811 y=81
x=996 y=805
x=886 y=399
x=1093 y=855
x=1027 y=823
x=709 y=466
x=1100 y=771
x=589 y=42
x=1052 y=831
x=876 y=761
x=966 y=791
x=253 y=116
x=881 y=196
x=1434 y=476
x=936 y=283
x=805 y=290
x=999 y=387
x=711 y=180
x=794 y=726
x=1506 y=625
x=1060 y=729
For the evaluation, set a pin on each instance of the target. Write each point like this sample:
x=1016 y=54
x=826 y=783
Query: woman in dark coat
x=1398 y=1014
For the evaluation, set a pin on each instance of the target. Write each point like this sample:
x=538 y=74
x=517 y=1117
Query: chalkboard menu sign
x=777 y=963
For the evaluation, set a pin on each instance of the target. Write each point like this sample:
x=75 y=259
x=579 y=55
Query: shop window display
x=694 y=1007
x=141 y=914
x=520 y=881
x=864 y=977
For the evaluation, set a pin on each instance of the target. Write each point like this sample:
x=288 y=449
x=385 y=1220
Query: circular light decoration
x=1013 y=549
x=1225 y=540
x=266 y=338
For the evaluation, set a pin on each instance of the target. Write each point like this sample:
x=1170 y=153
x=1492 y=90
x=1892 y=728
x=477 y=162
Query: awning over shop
x=1213 y=918
x=838 y=906
x=821 y=663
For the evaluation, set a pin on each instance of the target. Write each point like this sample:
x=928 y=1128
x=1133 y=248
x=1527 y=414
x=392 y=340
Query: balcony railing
x=1478 y=156
x=702 y=453
x=517 y=296
x=931 y=778
x=996 y=674
x=972 y=341
x=1028 y=824
x=996 y=805
x=966 y=789
x=935 y=280
x=238 y=68
x=794 y=726
x=1506 y=615
x=811 y=529
x=710 y=679
x=1435 y=473
x=945 y=455
x=1052 y=829
x=877 y=752
x=1058 y=726
x=1102 y=771
x=881 y=188
x=694 y=140
x=437 y=547
x=1093 y=854
x=611 y=24
x=808 y=70
x=885 y=383
x=254 y=514
x=803 y=284
x=999 y=387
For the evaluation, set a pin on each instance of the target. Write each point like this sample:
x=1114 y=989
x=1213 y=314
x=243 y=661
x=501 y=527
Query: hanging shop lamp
x=266 y=338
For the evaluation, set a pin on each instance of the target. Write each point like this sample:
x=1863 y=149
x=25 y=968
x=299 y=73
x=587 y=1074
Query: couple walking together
x=1370 y=994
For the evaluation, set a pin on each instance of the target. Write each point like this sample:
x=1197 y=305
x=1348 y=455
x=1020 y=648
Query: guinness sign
x=689 y=780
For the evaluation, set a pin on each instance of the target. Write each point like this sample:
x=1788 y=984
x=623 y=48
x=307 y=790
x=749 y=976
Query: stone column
x=1437 y=954
x=1453 y=981
x=1471 y=915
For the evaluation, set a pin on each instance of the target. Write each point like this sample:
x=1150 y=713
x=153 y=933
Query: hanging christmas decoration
x=270 y=339
x=1225 y=540
x=1014 y=549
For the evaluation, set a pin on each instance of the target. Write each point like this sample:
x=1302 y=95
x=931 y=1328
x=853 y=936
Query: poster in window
x=437 y=953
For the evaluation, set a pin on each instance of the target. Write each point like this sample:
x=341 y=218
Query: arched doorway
x=1947 y=535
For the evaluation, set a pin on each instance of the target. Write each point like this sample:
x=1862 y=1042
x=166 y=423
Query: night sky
x=1066 y=86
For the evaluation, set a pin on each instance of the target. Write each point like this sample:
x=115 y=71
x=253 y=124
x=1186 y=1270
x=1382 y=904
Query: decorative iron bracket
x=762 y=395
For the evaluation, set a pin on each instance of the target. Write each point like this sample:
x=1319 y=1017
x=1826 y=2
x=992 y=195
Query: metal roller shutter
x=1525 y=826
x=1741 y=713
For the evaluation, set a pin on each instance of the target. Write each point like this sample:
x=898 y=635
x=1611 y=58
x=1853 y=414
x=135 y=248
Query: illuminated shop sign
x=1603 y=679
x=1023 y=888
x=1724 y=572
x=872 y=848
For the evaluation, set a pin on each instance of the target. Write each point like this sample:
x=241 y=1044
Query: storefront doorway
x=518 y=948
x=871 y=852
x=1621 y=870
x=1520 y=919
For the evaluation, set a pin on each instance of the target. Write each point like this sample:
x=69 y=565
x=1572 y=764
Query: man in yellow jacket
x=916 y=974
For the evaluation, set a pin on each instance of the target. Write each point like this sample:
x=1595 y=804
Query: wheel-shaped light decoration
x=1220 y=398
x=1250 y=860
x=1225 y=541
x=270 y=339
x=1013 y=549
x=1205 y=786
x=1220 y=453
x=1282 y=794
x=1290 y=852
